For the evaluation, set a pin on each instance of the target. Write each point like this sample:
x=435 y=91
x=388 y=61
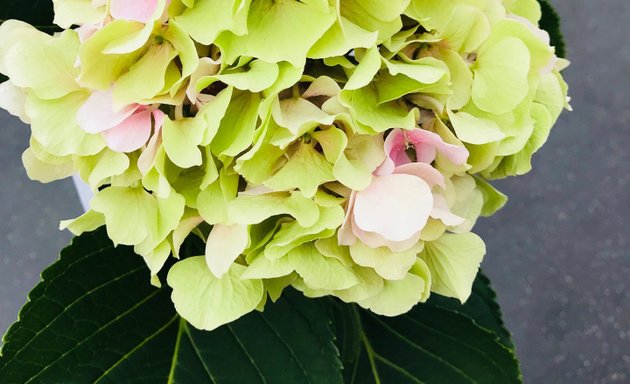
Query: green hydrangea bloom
x=338 y=147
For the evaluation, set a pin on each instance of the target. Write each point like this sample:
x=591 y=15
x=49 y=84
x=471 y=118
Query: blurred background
x=558 y=253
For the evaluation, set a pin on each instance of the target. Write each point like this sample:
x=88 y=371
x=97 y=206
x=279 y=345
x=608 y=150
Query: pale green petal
x=306 y=170
x=529 y=9
x=224 y=245
x=369 y=64
x=466 y=29
x=53 y=126
x=474 y=130
x=43 y=63
x=265 y=268
x=207 y=302
x=274 y=25
x=320 y=272
x=44 y=171
x=207 y=18
x=254 y=209
x=236 y=131
x=275 y=286
x=98 y=70
x=454 y=260
x=181 y=139
x=292 y=234
x=212 y=202
x=89 y=221
x=146 y=78
x=130 y=213
x=501 y=70
x=366 y=109
x=427 y=70
x=98 y=169
x=399 y=296
x=259 y=76
x=375 y=15
x=390 y=265
x=342 y=37
x=76 y=12
x=370 y=285
x=214 y=112
x=493 y=199
x=461 y=79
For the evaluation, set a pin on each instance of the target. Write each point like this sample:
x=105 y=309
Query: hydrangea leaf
x=500 y=81
x=306 y=170
x=207 y=302
x=389 y=265
x=454 y=260
x=474 y=130
x=42 y=63
x=320 y=272
x=399 y=296
x=52 y=128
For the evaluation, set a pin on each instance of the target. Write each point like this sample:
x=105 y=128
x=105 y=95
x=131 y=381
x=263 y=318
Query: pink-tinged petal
x=395 y=207
x=224 y=245
x=131 y=134
x=138 y=10
x=345 y=234
x=423 y=140
x=374 y=240
x=442 y=212
x=396 y=146
x=97 y=113
x=424 y=171
x=86 y=31
x=158 y=119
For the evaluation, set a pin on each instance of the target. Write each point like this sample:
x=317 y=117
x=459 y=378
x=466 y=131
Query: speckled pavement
x=558 y=253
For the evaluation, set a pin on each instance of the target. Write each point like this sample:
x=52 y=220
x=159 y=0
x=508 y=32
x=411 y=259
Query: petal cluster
x=337 y=147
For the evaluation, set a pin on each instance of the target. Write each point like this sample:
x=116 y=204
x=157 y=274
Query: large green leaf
x=550 y=22
x=440 y=341
x=95 y=319
x=35 y=12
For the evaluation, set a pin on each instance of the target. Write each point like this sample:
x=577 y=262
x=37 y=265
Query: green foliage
x=95 y=318
x=550 y=22
x=35 y=12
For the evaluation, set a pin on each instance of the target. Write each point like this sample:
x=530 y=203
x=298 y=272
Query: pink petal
x=423 y=140
x=424 y=171
x=395 y=207
x=131 y=134
x=345 y=234
x=97 y=113
x=138 y=10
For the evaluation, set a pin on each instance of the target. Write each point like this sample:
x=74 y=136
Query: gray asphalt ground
x=558 y=253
